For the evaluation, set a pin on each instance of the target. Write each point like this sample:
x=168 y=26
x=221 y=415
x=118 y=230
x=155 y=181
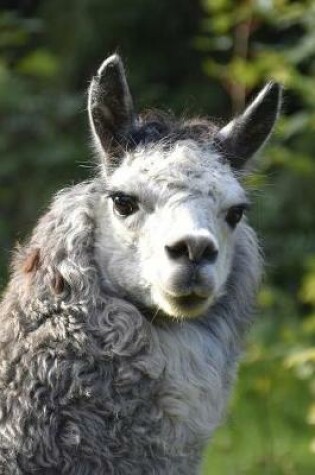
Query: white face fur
x=170 y=219
x=168 y=223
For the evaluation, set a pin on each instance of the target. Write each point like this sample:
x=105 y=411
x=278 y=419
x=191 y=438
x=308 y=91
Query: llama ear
x=110 y=106
x=241 y=138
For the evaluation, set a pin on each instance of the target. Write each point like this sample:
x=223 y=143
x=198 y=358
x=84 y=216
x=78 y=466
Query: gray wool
x=88 y=385
x=120 y=335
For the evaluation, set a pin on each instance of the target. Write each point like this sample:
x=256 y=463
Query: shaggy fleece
x=88 y=384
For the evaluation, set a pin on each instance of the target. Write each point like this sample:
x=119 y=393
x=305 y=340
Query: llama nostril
x=193 y=248
x=177 y=250
x=211 y=253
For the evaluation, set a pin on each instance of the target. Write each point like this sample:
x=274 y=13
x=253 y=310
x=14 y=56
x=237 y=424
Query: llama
x=123 y=322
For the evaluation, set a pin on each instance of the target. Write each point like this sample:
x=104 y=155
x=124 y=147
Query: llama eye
x=234 y=215
x=124 y=205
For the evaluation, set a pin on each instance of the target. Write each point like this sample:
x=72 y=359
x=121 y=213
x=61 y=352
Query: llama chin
x=186 y=306
x=91 y=381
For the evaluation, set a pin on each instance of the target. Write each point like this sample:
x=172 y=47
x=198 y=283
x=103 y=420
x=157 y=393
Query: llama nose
x=194 y=248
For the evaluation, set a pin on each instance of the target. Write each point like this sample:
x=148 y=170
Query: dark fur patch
x=156 y=126
x=31 y=263
x=160 y=127
x=58 y=283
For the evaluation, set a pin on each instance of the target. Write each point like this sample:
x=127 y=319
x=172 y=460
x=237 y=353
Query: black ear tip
x=276 y=87
x=274 y=90
x=112 y=62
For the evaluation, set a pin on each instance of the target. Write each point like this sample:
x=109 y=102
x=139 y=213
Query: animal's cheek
x=224 y=262
x=150 y=238
x=149 y=252
x=126 y=232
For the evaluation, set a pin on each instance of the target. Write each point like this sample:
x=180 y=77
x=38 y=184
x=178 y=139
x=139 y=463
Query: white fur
x=185 y=191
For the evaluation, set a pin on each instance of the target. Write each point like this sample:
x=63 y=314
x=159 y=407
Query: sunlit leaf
x=300 y=357
x=39 y=63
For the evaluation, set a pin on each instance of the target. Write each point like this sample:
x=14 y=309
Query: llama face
x=168 y=221
x=171 y=213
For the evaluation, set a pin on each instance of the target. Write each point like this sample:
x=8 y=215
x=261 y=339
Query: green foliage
x=268 y=411
x=273 y=415
x=204 y=57
x=40 y=137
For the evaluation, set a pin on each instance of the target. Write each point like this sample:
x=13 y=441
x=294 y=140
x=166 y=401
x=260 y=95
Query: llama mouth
x=190 y=300
x=190 y=305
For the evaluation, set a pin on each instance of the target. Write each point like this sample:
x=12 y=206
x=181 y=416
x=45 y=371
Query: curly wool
x=88 y=385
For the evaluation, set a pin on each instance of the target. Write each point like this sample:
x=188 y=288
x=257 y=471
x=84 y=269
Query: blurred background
x=196 y=57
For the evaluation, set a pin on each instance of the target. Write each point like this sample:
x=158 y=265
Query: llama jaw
x=182 y=306
x=188 y=293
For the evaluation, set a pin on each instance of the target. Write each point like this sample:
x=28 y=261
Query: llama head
x=170 y=216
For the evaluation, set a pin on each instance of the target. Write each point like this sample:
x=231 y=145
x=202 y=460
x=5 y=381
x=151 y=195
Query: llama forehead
x=187 y=168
